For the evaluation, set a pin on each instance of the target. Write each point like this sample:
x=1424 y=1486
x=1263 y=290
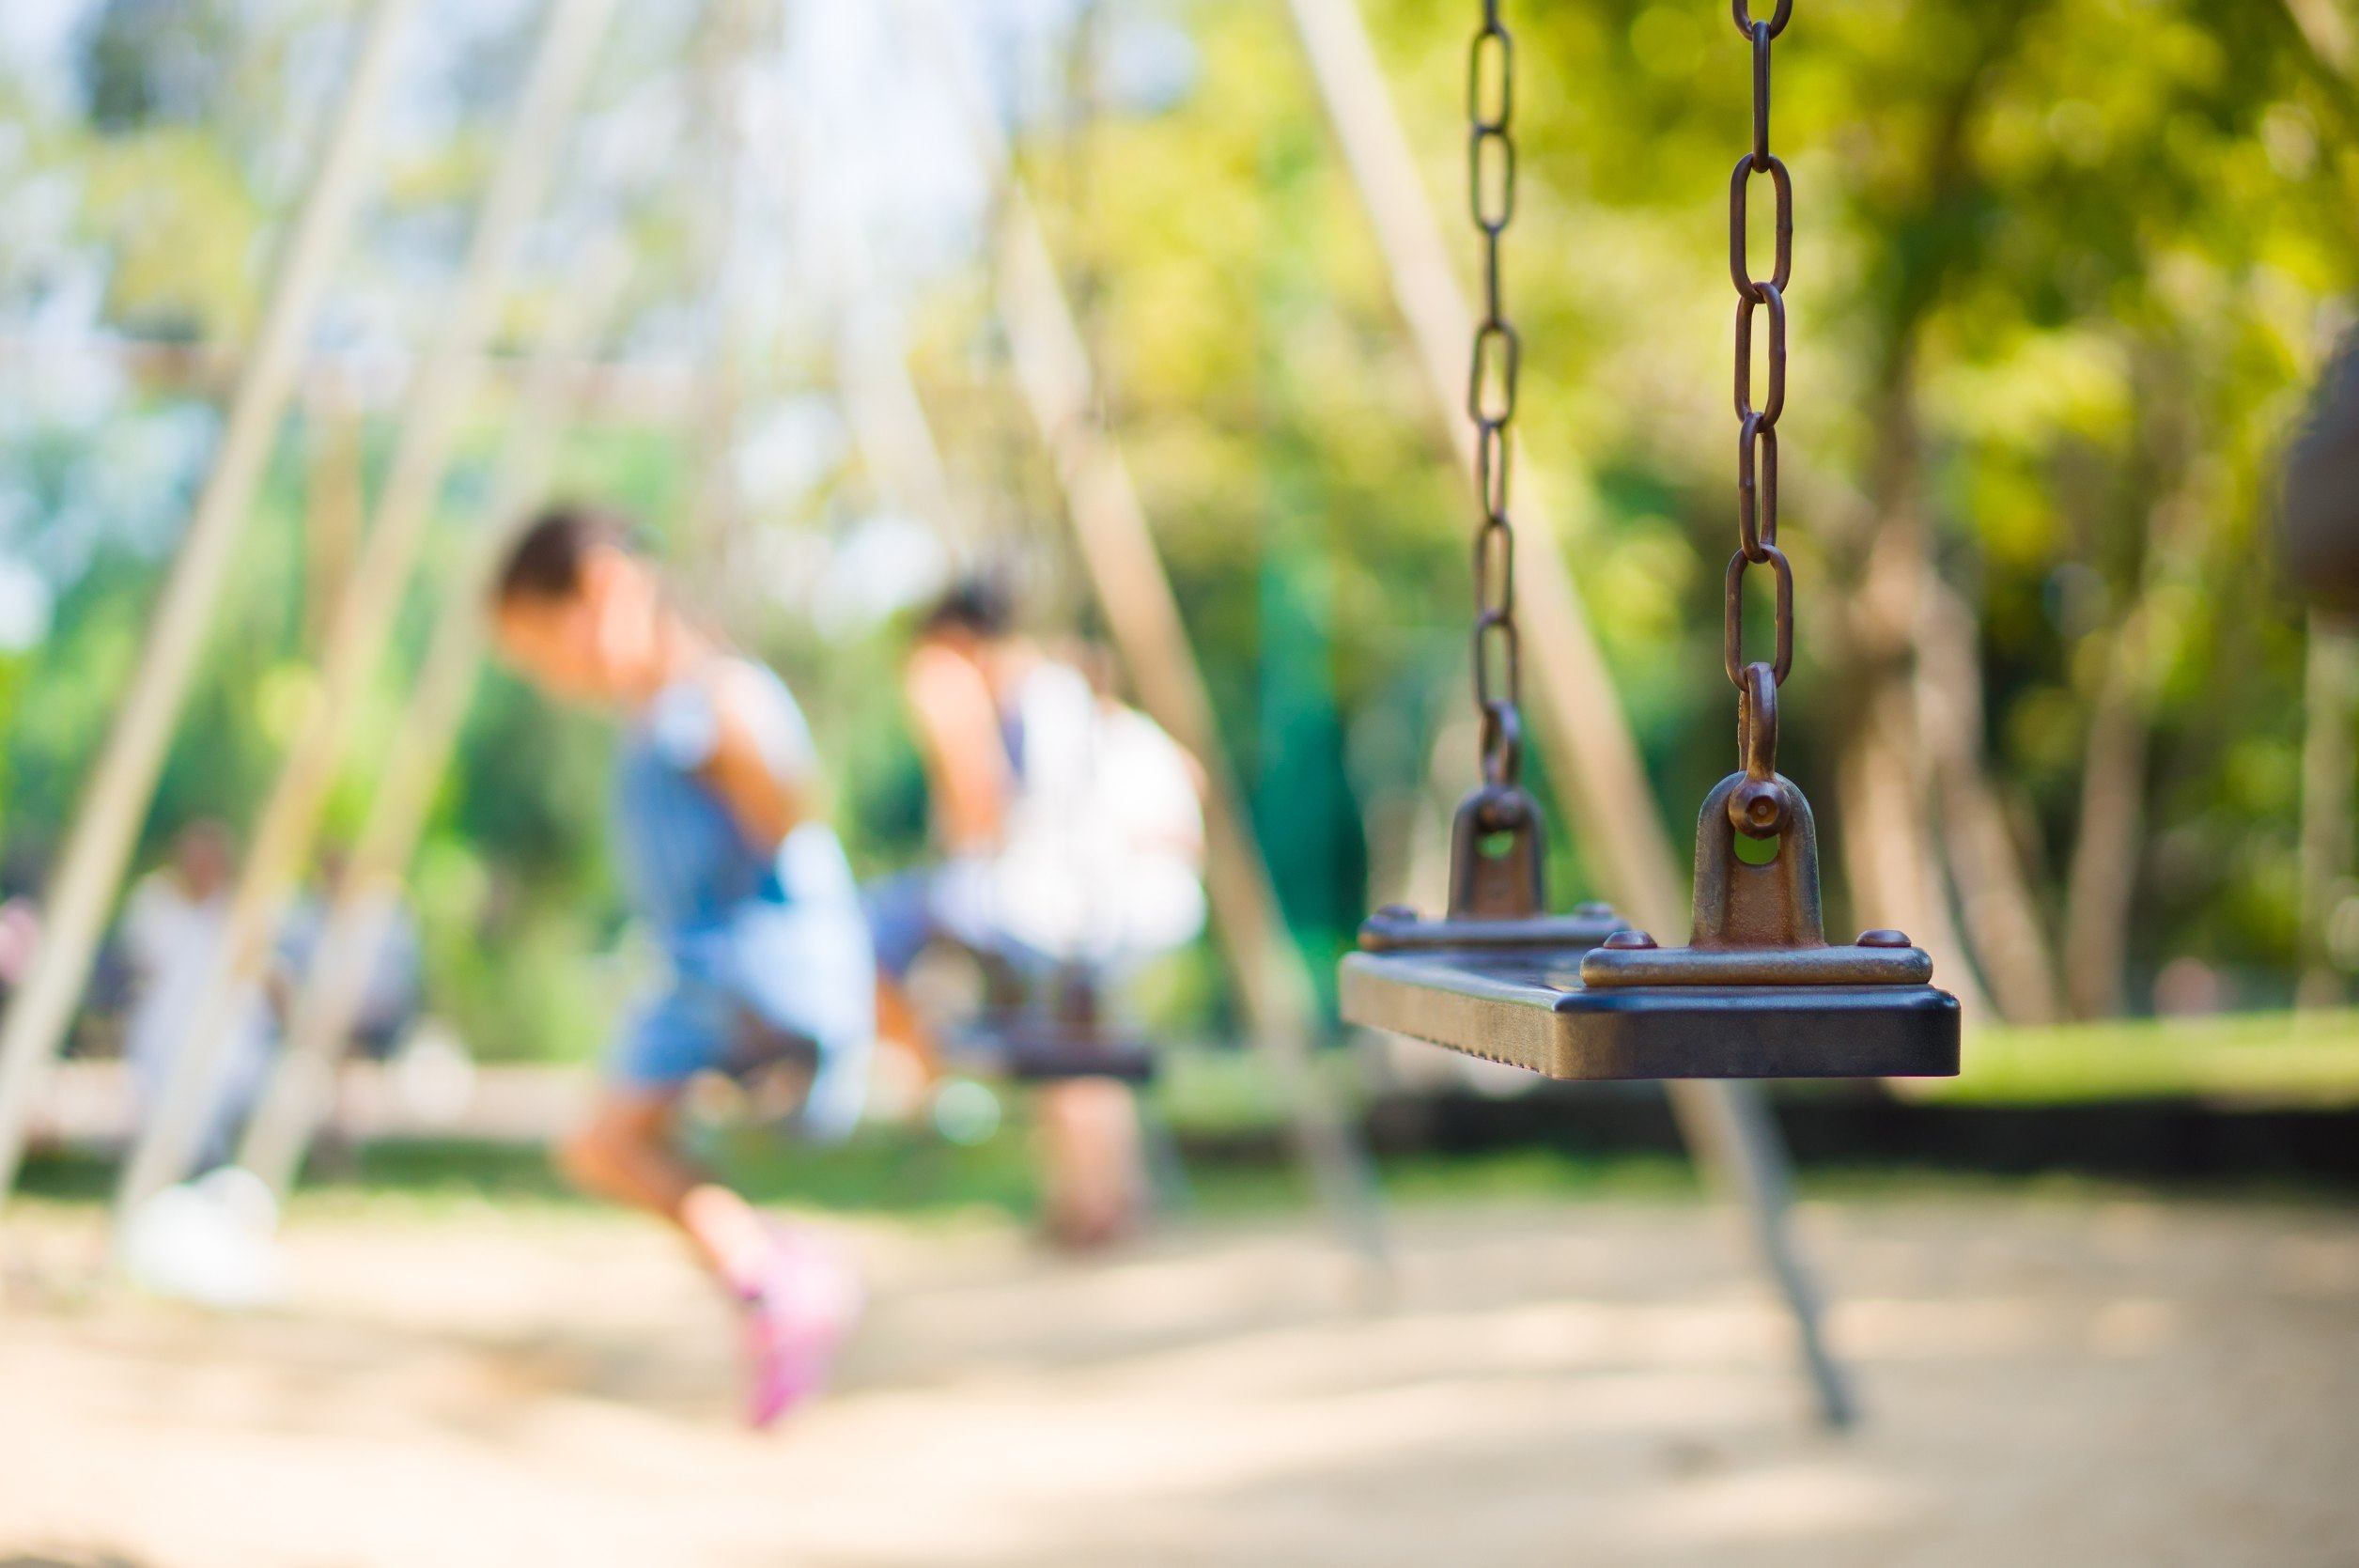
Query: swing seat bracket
x=1397 y=928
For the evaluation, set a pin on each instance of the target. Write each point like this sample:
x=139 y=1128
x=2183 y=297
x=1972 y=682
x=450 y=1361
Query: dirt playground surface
x=2084 y=1383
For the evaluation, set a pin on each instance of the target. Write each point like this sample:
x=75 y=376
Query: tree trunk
x=1888 y=852
x=2326 y=772
x=2104 y=872
x=2002 y=916
x=1885 y=777
x=1913 y=755
x=2100 y=889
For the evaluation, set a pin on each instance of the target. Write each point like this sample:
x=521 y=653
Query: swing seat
x=1531 y=1010
x=1761 y=995
x=1043 y=1027
x=1051 y=1051
x=1038 y=1043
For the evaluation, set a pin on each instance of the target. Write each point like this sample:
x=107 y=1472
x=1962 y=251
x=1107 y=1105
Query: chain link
x=1494 y=372
x=1757 y=424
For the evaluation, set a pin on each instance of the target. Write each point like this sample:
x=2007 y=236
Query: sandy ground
x=2081 y=1384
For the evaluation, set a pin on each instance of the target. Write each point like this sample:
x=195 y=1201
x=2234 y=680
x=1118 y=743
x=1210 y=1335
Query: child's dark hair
x=544 y=562
x=976 y=606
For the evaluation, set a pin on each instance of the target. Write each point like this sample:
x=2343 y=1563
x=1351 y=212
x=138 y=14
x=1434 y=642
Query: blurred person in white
x=172 y=929
x=1072 y=837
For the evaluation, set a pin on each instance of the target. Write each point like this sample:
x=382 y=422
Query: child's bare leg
x=1093 y=1167
x=896 y=1020
x=624 y=1154
x=797 y=1302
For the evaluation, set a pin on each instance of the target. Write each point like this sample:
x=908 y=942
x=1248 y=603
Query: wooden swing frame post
x=300 y=1091
x=98 y=847
x=371 y=600
x=889 y=424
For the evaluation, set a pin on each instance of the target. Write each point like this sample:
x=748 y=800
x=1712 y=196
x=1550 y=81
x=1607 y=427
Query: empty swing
x=1759 y=992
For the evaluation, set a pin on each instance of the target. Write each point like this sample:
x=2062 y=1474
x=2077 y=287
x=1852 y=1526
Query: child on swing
x=1072 y=831
x=727 y=857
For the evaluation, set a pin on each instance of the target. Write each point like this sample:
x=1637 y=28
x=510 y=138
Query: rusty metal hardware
x=1759 y=941
x=1757 y=807
x=1497 y=893
x=1757 y=924
x=1757 y=425
x=1493 y=373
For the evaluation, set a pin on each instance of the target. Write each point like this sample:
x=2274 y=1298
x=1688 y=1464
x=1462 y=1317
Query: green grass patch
x=2297 y=1059
x=917 y=1177
x=1516 y=1176
x=66 y=1177
x=886 y=1171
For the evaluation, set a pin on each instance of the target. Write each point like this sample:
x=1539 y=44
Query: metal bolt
x=1884 y=938
x=1625 y=942
x=1405 y=912
x=1758 y=809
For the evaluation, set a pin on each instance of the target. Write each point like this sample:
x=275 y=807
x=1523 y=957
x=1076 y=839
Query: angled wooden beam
x=335 y=500
x=371 y=601
x=638 y=389
x=889 y=424
x=106 y=824
x=362 y=904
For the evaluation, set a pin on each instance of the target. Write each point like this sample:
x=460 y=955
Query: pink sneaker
x=807 y=1304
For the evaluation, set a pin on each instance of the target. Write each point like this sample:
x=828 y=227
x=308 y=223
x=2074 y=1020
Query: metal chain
x=1757 y=425
x=1490 y=385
